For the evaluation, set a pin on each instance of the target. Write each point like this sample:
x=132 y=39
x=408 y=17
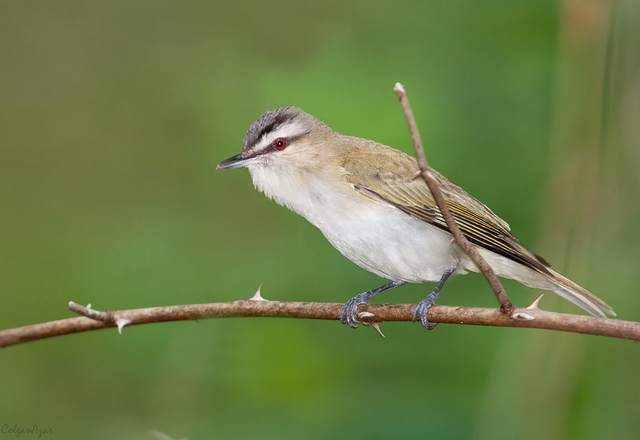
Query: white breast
x=378 y=238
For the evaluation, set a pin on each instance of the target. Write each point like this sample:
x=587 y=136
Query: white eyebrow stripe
x=287 y=131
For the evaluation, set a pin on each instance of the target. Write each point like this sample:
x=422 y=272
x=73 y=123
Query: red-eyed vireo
x=369 y=203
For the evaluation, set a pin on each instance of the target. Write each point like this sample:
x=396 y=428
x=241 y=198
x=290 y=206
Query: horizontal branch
x=373 y=313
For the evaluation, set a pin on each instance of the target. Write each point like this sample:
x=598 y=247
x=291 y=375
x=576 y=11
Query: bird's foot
x=349 y=315
x=423 y=308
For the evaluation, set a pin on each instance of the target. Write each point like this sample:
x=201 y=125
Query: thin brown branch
x=505 y=304
x=506 y=316
x=529 y=318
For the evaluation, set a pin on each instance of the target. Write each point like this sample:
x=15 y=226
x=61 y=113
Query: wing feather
x=395 y=184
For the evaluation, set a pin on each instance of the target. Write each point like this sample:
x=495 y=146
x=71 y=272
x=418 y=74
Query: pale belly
x=389 y=243
x=378 y=238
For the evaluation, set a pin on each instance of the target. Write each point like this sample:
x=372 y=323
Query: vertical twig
x=505 y=304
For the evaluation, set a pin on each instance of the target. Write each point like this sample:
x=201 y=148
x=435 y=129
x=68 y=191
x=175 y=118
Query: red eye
x=280 y=144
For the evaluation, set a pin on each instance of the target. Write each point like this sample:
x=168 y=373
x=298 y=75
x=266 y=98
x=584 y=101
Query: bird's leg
x=423 y=306
x=348 y=315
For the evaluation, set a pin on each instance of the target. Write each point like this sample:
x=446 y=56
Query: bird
x=369 y=202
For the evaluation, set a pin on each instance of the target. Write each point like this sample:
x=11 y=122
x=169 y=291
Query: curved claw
x=348 y=314
x=422 y=309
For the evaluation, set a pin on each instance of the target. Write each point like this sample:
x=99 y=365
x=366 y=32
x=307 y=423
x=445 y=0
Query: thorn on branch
x=121 y=323
x=534 y=305
x=376 y=326
x=258 y=296
x=365 y=319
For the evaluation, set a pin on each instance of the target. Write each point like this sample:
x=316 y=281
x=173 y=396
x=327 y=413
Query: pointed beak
x=236 y=161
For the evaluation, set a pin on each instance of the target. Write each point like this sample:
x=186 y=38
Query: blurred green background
x=113 y=116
